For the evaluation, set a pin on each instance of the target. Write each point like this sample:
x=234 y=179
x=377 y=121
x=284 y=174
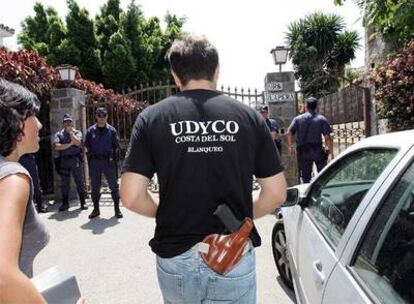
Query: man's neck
x=101 y=125
x=201 y=84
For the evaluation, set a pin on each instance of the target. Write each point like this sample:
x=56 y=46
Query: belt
x=69 y=156
x=100 y=157
x=204 y=247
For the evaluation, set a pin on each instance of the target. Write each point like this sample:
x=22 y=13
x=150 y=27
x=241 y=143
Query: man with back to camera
x=102 y=144
x=273 y=127
x=68 y=143
x=205 y=148
x=310 y=127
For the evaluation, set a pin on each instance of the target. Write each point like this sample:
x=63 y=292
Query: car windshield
x=337 y=194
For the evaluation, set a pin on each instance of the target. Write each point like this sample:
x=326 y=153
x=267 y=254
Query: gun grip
x=227 y=217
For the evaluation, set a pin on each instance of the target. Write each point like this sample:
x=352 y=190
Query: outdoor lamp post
x=280 y=54
x=67 y=73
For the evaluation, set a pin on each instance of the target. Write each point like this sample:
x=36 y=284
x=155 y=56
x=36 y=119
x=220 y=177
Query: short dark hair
x=311 y=103
x=16 y=104
x=193 y=58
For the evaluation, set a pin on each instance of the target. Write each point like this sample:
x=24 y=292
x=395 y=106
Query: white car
x=348 y=237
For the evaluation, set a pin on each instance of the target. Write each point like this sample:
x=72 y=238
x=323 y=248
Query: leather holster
x=226 y=251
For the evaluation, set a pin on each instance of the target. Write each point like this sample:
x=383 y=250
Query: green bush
x=394 y=89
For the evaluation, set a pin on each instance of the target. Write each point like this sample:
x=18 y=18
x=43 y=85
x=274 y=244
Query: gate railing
x=348 y=113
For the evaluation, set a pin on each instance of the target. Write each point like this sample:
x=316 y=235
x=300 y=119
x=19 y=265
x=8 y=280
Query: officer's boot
x=115 y=198
x=40 y=207
x=65 y=204
x=118 y=213
x=82 y=202
x=95 y=212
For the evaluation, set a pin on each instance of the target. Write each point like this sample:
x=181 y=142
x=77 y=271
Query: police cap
x=67 y=117
x=264 y=109
x=101 y=111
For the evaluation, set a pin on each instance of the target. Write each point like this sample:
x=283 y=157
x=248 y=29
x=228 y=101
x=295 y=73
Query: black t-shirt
x=204 y=147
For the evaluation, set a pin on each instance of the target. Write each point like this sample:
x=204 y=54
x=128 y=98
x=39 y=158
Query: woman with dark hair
x=22 y=233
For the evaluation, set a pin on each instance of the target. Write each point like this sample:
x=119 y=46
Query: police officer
x=309 y=128
x=68 y=143
x=102 y=143
x=272 y=126
x=29 y=162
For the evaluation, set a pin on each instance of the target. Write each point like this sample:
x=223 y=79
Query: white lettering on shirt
x=186 y=127
x=207 y=132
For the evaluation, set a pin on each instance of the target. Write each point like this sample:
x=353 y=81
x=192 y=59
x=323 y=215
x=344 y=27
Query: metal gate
x=348 y=112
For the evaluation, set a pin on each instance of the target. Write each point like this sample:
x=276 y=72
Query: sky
x=243 y=31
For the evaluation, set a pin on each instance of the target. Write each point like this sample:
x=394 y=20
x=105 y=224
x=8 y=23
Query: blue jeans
x=186 y=279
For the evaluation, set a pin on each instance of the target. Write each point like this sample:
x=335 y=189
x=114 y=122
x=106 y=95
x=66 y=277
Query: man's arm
x=271 y=196
x=58 y=146
x=15 y=287
x=76 y=138
x=329 y=143
x=292 y=149
x=135 y=196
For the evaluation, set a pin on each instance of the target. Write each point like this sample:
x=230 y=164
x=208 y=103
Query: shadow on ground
x=63 y=215
x=286 y=289
x=98 y=225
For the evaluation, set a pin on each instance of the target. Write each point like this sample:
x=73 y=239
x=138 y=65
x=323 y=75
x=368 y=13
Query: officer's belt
x=100 y=156
x=69 y=156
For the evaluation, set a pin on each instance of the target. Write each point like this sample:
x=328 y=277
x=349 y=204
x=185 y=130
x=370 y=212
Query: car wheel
x=280 y=256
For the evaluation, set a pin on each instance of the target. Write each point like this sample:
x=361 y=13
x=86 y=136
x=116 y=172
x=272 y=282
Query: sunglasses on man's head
x=101 y=115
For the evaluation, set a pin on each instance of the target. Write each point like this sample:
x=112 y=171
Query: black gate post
x=367 y=111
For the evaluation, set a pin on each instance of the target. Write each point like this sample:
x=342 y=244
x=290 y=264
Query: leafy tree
x=132 y=24
x=107 y=23
x=160 y=42
x=118 y=63
x=34 y=29
x=56 y=34
x=42 y=32
x=392 y=19
x=81 y=35
x=95 y=46
x=319 y=49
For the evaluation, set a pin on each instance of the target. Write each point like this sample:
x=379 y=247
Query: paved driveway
x=114 y=264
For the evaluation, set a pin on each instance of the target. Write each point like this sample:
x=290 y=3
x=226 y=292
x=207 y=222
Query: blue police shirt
x=63 y=137
x=316 y=124
x=272 y=125
x=101 y=141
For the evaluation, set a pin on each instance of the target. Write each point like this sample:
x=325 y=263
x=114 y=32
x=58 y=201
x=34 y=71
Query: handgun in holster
x=225 y=251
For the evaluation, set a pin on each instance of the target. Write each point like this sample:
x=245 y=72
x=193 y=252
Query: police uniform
x=273 y=127
x=29 y=162
x=309 y=128
x=102 y=144
x=70 y=163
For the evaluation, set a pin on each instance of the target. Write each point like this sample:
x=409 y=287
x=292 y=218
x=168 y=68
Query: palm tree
x=319 y=49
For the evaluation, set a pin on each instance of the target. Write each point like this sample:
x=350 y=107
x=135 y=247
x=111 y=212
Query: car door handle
x=318 y=273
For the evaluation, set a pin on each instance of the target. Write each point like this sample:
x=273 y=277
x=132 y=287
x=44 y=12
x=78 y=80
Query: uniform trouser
x=72 y=166
x=29 y=162
x=108 y=168
x=305 y=168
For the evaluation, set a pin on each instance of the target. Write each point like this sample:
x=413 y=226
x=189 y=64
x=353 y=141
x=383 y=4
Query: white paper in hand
x=57 y=287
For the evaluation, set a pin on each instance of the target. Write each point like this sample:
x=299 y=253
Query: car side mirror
x=292 y=197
